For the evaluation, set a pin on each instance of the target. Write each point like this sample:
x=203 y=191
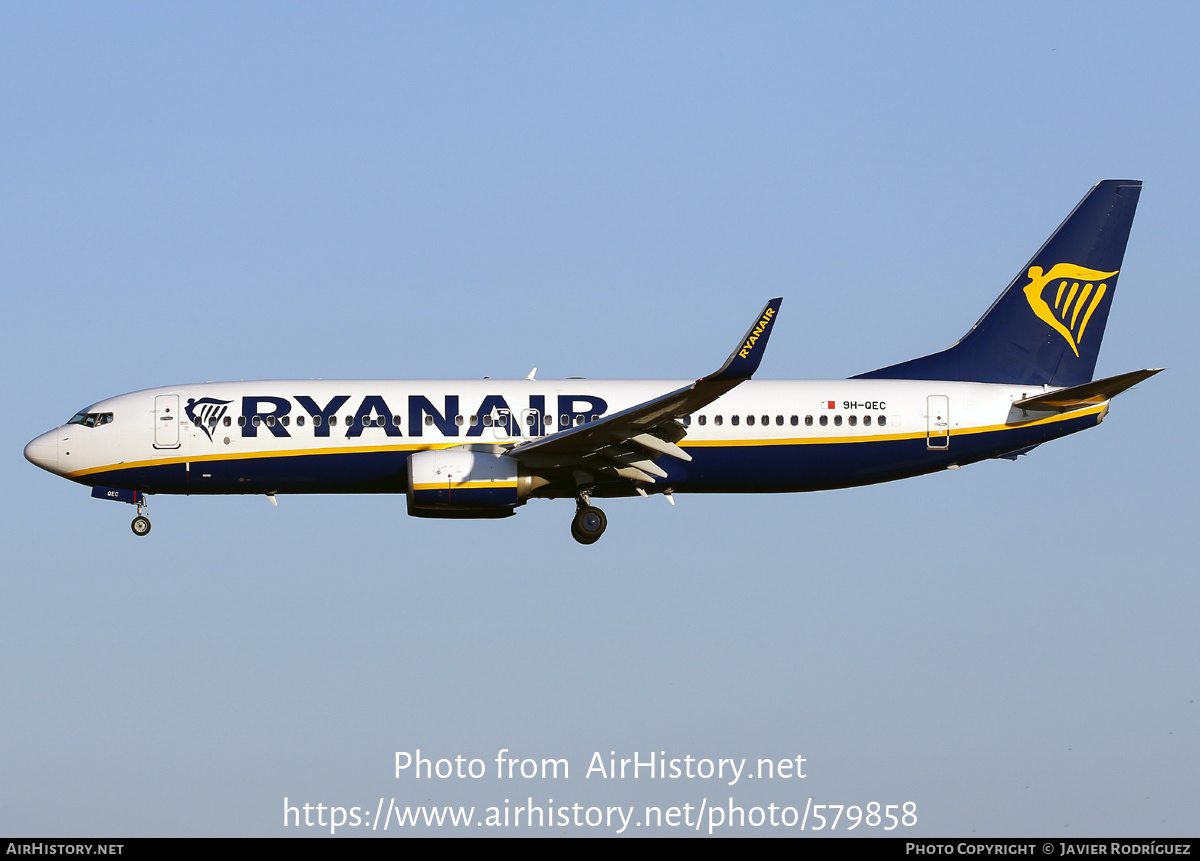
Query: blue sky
x=610 y=190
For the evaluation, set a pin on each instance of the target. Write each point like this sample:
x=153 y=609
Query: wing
x=628 y=442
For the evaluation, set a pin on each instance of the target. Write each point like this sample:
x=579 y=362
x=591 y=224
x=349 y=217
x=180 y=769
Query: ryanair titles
x=342 y=416
x=756 y=332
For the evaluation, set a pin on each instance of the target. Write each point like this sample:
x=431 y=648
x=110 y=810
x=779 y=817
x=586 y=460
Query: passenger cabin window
x=779 y=420
x=866 y=421
x=717 y=420
x=733 y=420
x=824 y=421
x=703 y=421
x=882 y=421
x=807 y=421
x=299 y=421
x=853 y=421
x=750 y=421
x=227 y=421
x=837 y=421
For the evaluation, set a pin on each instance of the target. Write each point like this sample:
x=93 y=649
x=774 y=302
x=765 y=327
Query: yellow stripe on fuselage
x=466 y=485
x=685 y=443
x=250 y=455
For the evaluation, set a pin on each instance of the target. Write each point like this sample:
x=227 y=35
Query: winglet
x=743 y=361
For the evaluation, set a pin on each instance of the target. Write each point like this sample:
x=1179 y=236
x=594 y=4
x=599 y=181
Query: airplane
x=482 y=448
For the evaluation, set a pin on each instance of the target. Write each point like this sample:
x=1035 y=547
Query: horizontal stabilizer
x=1088 y=394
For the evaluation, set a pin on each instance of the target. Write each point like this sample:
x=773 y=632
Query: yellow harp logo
x=1076 y=298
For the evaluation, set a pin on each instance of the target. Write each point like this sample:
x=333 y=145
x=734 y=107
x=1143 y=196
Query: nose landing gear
x=141 y=523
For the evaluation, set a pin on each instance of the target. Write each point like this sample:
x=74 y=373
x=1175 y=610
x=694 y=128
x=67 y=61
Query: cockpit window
x=91 y=420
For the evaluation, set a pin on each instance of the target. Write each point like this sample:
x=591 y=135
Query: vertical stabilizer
x=1046 y=328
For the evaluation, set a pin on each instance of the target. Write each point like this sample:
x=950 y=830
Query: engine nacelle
x=467 y=481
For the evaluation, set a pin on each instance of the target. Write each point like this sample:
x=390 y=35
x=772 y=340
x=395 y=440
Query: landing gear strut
x=589 y=522
x=141 y=523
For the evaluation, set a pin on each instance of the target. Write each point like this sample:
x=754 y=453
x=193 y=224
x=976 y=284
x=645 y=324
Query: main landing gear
x=141 y=523
x=589 y=522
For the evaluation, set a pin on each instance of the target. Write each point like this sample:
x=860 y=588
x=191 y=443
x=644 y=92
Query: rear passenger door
x=937 y=422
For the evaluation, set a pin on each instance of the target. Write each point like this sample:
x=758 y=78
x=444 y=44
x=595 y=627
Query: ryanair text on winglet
x=758 y=329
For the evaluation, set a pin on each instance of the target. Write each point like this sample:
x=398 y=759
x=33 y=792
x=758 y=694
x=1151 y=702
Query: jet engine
x=467 y=482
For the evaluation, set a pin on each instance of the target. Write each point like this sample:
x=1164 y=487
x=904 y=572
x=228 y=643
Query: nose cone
x=43 y=451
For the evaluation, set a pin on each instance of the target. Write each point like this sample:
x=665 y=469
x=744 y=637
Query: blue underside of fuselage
x=713 y=469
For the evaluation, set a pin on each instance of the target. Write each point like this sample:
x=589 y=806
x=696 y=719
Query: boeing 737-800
x=482 y=448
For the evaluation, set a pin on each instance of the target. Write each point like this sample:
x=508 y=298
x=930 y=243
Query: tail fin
x=1047 y=326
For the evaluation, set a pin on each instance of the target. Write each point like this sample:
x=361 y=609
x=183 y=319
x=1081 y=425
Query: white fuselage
x=352 y=435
